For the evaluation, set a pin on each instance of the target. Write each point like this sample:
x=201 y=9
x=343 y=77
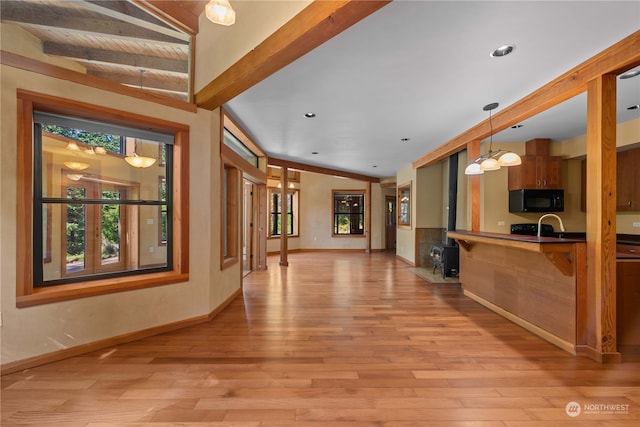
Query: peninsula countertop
x=533 y=243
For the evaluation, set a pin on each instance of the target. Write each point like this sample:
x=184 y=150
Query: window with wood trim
x=348 y=213
x=163 y=212
x=98 y=228
x=231 y=203
x=404 y=205
x=275 y=210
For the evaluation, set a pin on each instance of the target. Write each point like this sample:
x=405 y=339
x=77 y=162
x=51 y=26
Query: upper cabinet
x=628 y=185
x=538 y=169
x=627 y=181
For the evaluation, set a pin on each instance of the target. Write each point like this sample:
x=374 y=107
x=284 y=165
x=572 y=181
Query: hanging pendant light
x=76 y=166
x=139 y=161
x=220 y=12
x=492 y=160
x=509 y=159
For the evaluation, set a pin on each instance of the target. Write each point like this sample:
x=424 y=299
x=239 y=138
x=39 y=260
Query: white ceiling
x=421 y=70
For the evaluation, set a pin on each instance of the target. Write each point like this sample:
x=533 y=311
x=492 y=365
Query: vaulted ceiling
x=386 y=91
x=115 y=40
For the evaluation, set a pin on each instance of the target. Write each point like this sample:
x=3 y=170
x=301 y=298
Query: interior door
x=390 y=223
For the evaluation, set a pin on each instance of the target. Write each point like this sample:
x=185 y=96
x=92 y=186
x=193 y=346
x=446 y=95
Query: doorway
x=390 y=223
x=247 y=235
x=254 y=228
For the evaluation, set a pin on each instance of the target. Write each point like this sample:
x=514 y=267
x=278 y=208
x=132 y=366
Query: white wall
x=34 y=331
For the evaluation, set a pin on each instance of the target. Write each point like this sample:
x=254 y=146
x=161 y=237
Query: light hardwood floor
x=334 y=339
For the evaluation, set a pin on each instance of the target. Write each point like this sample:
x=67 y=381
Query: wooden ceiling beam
x=184 y=14
x=616 y=59
x=314 y=25
x=33 y=13
x=273 y=161
x=110 y=56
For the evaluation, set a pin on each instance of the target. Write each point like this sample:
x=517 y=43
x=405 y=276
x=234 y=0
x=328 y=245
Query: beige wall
x=316 y=215
x=316 y=207
x=20 y=42
x=405 y=236
x=429 y=196
x=33 y=331
x=627 y=134
x=218 y=47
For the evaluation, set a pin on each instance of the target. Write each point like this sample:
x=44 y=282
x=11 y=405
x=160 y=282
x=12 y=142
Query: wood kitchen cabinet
x=627 y=185
x=627 y=181
x=538 y=168
x=628 y=302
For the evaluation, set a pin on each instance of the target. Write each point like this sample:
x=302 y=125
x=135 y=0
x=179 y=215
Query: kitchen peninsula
x=536 y=282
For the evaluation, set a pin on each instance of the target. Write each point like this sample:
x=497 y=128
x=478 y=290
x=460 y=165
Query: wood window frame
x=28 y=295
x=364 y=195
x=231 y=195
x=231 y=201
x=162 y=180
x=403 y=205
x=295 y=212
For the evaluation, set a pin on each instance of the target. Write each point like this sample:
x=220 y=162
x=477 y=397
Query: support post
x=600 y=335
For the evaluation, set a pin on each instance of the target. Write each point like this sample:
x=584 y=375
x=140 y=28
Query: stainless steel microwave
x=536 y=200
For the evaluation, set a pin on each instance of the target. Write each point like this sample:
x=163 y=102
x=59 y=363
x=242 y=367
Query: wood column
x=284 y=216
x=367 y=219
x=473 y=152
x=599 y=324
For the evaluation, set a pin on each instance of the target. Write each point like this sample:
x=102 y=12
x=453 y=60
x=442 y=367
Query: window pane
x=348 y=213
x=110 y=229
x=236 y=145
x=343 y=224
x=114 y=196
x=76 y=220
x=86 y=163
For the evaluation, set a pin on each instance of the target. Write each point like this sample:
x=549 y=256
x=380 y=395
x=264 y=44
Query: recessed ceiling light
x=634 y=107
x=629 y=74
x=309 y=115
x=503 y=50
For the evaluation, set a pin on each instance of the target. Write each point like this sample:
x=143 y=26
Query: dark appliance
x=546 y=230
x=446 y=258
x=536 y=201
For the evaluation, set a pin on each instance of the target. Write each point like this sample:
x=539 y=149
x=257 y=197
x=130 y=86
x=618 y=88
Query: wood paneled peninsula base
x=532 y=281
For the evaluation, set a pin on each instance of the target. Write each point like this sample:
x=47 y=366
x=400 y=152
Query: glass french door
x=94 y=229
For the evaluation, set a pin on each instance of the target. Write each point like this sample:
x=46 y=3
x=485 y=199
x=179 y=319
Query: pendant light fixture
x=220 y=12
x=493 y=160
x=76 y=166
x=139 y=161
